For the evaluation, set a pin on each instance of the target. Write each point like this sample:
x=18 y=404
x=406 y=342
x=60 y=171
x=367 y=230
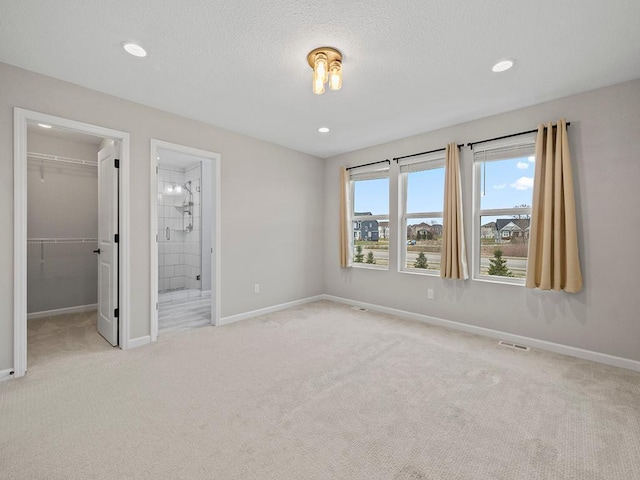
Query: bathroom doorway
x=184 y=238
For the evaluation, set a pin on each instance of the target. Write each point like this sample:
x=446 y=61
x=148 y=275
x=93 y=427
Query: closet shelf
x=61 y=240
x=64 y=160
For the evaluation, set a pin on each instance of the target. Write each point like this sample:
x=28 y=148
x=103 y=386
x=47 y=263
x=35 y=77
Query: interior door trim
x=21 y=117
x=215 y=159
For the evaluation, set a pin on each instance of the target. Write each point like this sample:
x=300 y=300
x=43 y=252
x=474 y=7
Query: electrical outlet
x=430 y=293
x=256 y=288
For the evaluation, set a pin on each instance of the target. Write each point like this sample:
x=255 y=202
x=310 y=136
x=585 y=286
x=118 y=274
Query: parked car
x=411 y=242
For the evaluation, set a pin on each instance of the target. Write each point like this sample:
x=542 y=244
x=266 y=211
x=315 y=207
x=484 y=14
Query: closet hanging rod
x=61 y=240
x=59 y=159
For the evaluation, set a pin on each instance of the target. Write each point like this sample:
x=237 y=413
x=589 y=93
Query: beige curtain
x=454 y=254
x=346 y=255
x=553 y=244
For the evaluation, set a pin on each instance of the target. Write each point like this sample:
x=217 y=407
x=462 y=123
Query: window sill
x=425 y=273
x=370 y=266
x=518 y=282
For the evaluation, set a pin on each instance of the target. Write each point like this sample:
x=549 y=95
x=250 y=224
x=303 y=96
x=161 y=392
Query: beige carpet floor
x=73 y=334
x=321 y=392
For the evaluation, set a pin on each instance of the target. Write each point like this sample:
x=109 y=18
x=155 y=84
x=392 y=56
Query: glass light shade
x=318 y=85
x=335 y=76
x=321 y=67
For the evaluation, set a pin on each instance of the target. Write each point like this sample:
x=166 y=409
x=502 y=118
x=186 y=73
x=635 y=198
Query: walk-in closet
x=62 y=237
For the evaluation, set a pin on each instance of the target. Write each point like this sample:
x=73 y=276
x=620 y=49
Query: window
x=370 y=217
x=422 y=203
x=503 y=191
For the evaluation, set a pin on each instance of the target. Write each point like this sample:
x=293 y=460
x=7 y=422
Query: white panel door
x=108 y=248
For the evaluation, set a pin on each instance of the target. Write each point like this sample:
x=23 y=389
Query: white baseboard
x=6 y=374
x=138 y=342
x=62 y=311
x=266 y=310
x=487 y=332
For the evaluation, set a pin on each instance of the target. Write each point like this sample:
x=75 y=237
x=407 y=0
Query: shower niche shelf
x=185 y=208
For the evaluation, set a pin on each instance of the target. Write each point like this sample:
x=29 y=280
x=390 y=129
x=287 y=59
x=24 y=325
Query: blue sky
x=507 y=183
x=504 y=183
x=372 y=196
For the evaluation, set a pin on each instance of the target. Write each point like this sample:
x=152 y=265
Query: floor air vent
x=515 y=346
x=360 y=309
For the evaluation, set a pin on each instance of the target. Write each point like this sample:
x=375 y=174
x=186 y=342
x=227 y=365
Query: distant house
x=383 y=229
x=489 y=230
x=422 y=230
x=365 y=229
x=509 y=228
x=436 y=229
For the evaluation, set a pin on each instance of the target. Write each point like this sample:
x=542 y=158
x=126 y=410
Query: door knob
x=97 y=251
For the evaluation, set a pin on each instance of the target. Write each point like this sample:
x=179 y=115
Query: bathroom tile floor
x=181 y=315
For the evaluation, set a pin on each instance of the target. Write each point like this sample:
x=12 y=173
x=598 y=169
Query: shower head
x=187 y=187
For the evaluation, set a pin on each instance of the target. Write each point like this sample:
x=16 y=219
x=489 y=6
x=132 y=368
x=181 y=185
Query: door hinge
x=156 y=237
x=156 y=305
x=116 y=238
x=116 y=163
x=156 y=169
x=116 y=313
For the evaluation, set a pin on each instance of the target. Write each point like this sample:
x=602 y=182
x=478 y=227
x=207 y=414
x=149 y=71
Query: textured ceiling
x=410 y=66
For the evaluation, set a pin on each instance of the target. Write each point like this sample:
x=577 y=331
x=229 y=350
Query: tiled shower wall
x=192 y=261
x=179 y=256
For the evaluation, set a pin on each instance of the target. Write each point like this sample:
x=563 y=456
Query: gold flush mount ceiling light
x=327 y=67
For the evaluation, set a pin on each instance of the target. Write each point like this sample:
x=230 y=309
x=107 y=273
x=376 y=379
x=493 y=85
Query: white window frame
x=504 y=149
x=367 y=173
x=426 y=162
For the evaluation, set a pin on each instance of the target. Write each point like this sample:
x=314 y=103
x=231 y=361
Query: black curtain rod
x=471 y=144
x=367 y=164
x=423 y=153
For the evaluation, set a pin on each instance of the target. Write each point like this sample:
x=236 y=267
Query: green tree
x=499 y=265
x=421 y=261
x=359 y=255
x=370 y=258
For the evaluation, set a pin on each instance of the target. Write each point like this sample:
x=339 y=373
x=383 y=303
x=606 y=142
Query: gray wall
x=604 y=316
x=64 y=205
x=271 y=200
x=271 y=236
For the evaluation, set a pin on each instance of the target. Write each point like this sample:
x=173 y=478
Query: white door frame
x=20 y=119
x=153 y=228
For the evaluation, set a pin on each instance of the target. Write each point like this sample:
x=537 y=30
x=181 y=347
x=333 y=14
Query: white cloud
x=532 y=158
x=502 y=185
x=522 y=165
x=523 y=183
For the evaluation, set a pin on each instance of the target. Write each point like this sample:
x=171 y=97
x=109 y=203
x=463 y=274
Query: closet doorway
x=69 y=290
x=184 y=238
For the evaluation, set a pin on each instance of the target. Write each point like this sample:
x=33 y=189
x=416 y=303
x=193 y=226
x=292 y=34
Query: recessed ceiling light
x=503 y=65
x=134 y=49
x=44 y=125
x=323 y=129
